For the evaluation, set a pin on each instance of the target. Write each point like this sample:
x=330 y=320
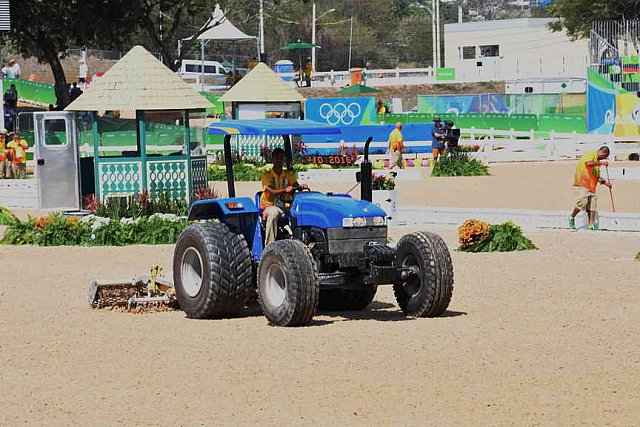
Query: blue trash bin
x=284 y=66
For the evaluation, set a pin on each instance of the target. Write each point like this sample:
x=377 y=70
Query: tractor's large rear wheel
x=212 y=271
x=428 y=292
x=347 y=299
x=288 y=286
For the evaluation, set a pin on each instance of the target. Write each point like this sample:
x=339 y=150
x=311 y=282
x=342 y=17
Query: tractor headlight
x=379 y=221
x=354 y=222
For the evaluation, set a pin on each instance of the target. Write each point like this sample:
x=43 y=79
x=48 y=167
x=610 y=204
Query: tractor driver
x=278 y=185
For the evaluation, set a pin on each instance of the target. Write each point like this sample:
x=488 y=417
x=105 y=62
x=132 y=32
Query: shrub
x=6 y=216
x=245 y=171
x=505 y=237
x=638 y=256
x=459 y=165
x=382 y=182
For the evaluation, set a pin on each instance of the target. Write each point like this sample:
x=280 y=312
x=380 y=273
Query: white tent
x=224 y=31
x=221 y=30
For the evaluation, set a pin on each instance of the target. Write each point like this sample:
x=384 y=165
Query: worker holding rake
x=587 y=177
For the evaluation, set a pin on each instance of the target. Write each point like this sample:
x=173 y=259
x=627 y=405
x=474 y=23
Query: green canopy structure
x=299 y=45
x=357 y=90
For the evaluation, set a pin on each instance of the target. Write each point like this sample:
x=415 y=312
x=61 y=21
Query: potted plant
x=385 y=195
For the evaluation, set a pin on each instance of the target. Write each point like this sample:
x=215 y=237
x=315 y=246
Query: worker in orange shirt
x=253 y=63
x=18 y=153
x=308 y=70
x=396 y=146
x=3 y=154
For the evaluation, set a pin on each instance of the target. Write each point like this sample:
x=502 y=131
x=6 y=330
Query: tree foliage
x=577 y=16
x=46 y=29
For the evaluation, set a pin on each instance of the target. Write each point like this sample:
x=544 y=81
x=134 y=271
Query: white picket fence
x=500 y=145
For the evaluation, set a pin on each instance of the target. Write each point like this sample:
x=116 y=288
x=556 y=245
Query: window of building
x=490 y=50
x=469 y=52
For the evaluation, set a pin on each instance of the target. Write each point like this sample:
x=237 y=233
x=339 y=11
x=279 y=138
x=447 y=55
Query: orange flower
x=41 y=223
x=73 y=220
x=472 y=231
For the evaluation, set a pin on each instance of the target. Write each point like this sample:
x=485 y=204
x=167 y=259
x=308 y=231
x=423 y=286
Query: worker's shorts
x=396 y=159
x=585 y=199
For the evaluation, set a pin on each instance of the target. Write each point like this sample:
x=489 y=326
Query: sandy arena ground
x=547 y=337
x=536 y=186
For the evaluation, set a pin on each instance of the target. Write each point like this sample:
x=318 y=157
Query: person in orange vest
x=308 y=69
x=396 y=147
x=18 y=154
x=253 y=63
x=3 y=153
x=586 y=179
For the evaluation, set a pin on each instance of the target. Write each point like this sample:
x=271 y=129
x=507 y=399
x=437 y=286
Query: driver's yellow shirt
x=275 y=182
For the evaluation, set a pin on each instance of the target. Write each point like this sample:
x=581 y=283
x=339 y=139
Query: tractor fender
x=241 y=215
x=221 y=209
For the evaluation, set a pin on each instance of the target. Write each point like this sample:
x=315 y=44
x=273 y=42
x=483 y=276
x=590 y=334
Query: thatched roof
x=262 y=85
x=139 y=82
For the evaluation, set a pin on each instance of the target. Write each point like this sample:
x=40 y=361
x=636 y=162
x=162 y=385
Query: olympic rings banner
x=341 y=111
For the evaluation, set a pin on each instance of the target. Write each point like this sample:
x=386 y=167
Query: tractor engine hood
x=321 y=210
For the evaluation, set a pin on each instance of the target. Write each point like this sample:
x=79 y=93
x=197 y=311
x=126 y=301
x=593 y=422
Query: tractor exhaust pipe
x=366 y=191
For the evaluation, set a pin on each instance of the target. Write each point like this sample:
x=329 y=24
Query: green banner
x=444 y=74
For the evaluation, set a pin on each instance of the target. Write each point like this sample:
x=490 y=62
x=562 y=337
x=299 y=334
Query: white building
x=511 y=49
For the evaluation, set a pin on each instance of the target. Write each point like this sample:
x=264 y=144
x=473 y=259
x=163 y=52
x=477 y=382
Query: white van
x=191 y=72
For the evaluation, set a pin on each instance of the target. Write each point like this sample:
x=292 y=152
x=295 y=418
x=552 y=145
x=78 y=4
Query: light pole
x=313 y=32
x=261 y=30
x=350 y=40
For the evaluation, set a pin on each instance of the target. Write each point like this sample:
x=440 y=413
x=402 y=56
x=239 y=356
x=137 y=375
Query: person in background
x=236 y=77
x=83 y=71
x=74 y=92
x=3 y=153
x=15 y=68
x=278 y=185
x=4 y=71
x=438 y=148
x=381 y=108
x=11 y=96
x=308 y=69
x=396 y=145
x=253 y=63
x=9 y=117
x=229 y=81
x=586 y=179
x=18 y=153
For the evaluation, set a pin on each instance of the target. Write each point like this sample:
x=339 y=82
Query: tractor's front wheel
x=288 y=286
x=428 y=291
x=212 y=271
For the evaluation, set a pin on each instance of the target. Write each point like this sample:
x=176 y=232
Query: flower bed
x=91 y=230
x=479 y=236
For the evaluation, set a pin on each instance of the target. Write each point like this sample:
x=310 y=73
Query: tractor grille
x=349 y=240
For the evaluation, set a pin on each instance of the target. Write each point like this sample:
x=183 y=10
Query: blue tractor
x=332 y=252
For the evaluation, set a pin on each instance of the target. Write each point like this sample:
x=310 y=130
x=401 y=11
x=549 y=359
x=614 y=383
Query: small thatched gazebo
x=140 y=130
x=261 y=94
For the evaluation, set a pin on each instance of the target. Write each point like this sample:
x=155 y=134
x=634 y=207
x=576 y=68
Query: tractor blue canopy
x=272 y=127
x=265 y=127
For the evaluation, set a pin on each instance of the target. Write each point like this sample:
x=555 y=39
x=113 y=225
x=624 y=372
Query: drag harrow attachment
x=149 y=292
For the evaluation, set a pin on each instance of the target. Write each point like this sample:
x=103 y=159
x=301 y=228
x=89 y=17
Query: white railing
x=504 y=145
